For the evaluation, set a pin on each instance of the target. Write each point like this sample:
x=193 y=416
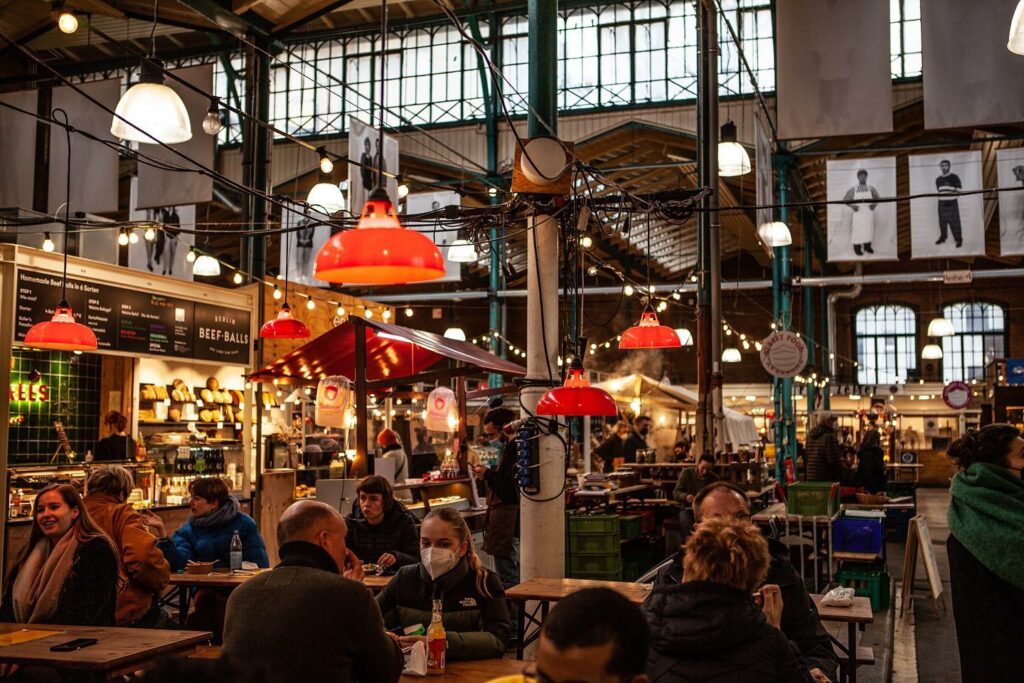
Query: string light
x=386 y=314
x=122 y=238
x=48 y=245
x=133 y=238
x=628 y=290
x=340 y=311
x=310 y=303
x=277 y=293
x=149 y=234
x=238 y=278
x=586 y=242
x=408 y=312
x=191 y=256
x=326 y=165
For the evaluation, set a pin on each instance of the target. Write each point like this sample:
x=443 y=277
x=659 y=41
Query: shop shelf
x=868 y=583
x=593 y=544
x=595 y=564
x=812 y=498
x=630 y=526
x=858 y=535
x=593 y=524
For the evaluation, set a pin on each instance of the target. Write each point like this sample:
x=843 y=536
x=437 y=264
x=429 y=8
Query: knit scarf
x=37 y=587
x=222 y=515
x=986 y=514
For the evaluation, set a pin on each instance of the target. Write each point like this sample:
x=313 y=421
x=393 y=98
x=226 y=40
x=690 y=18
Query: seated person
x=67 y=573
x=380 y=530
x=475 y=614
x=593 y=636
x=311 y=619
x=709 y=627
x=145 y=567
x=693 y=480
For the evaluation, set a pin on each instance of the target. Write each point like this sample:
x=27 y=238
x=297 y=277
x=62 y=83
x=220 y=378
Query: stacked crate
x=593 y=547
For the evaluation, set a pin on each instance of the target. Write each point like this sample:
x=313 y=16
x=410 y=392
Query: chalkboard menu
x=131 y=321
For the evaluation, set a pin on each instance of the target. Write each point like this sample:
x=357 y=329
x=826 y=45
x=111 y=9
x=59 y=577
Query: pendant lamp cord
x=648 y=258
x=380 y=113
x=287 y=263
x=152 y=31
x=67 y=206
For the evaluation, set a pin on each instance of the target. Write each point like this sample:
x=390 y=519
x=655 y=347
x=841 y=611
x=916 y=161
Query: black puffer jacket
x=396 y=534
x=710 y=633
x=824 y=458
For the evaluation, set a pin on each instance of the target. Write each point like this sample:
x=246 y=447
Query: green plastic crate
x=812 y=498
x=593 y=544
x=630 y=526
x=595 y=564
x=868 y=583
x=593 y=524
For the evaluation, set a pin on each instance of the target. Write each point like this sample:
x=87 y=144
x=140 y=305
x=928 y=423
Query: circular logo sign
x=783 y=354
x=957 y=395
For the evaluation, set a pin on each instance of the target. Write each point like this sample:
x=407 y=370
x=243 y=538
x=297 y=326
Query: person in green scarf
x=986 y=552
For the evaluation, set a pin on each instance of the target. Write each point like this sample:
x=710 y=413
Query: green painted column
x=782 y=305
x=543 y=77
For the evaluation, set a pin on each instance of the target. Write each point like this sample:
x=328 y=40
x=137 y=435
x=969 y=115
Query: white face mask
x=438 y=561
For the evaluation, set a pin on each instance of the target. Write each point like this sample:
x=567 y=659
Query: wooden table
x=855 y=616
x=817 y=529
x=546 y=591
x=473 y=672
x=623 y=493
x=119 y=650
x=897 y=468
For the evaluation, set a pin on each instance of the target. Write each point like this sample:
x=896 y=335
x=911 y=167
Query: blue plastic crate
x=858 y=535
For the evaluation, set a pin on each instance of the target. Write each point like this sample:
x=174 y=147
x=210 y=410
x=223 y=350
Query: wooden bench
x=865 y=657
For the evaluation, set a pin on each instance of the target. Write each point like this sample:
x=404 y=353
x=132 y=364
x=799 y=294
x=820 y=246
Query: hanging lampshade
x=685 y=337
x=931 y=352
x=61 y=333
x=326 y=197
x=379 y=251
x=206 y=266
x=284 y=326
x=731 y=355
x=149 y=109
x=456 y=333
x=940 y=327
x=1016 y=42
x=733 y=159
x=462 y=251
x=576 y=397
x=775 y=234
x=649 y=333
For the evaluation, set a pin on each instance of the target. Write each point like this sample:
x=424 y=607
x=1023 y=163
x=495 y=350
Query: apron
x=863 y=228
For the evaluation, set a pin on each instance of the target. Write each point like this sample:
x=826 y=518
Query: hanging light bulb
x=48 y=245
x=284 y=326
x=326 y=165
x=133 y=237
x=213 y=124
x=340 y=310
x=191 y=256
x=456 y=333
x=649 y=333
x=67 y=22
x=733 y=159
x=277 y=293
x=310 y=304
x=385 y=314
x=731 y=355
x=586 y=241
x=775 y=234
x=628 y=290
x=685 y=337
x=326 y=196
x=403 y=190
x=150 y=112
x=122 y=238
x=408 y=312
x=206 y=266
x=576 y=397
x=931 y=352
x=379 y=251
x=592 y=271
x=238 y=278
x=492 y=191
x=1016 y=42
x=940 y=327
x=368 y=313
x=662 y=305
x=462 y=251
x=149 y=234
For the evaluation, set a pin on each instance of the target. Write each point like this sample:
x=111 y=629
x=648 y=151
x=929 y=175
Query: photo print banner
x=18 y=141
x=364 y=145
x=949 y=225
x=763 y=160
x=862 y=231
x=303 y=244
x=93 y=190
x=164 y=255
x=1010 y=173
x=422 y=202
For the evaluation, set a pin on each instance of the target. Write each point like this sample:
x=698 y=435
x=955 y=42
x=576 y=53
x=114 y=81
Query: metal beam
x=302 y=15
x=221 y=14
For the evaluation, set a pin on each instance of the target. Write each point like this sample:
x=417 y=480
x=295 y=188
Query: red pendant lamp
x=379 y=251
x=576 y=398
x=62 y=333
x=284 y=326
x=649 y=333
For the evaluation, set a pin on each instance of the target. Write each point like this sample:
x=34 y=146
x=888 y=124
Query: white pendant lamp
x=931 y=352
x=462 y=251
x=206 y=266
x=731 y=355
x=1016 y=42
x=326 y=197
x=456 y=333
x=685 y=337
x=733 y=159
x=775 y=234
x=940 y=327
x=150 y=112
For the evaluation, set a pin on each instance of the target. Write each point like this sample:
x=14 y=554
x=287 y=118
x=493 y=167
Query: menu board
x=131 y=321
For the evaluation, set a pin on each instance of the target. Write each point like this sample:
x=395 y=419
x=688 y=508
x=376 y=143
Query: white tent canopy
x=739 y=428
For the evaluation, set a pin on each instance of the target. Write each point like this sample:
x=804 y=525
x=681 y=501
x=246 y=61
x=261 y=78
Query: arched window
x=886 y=340
x=980 y=338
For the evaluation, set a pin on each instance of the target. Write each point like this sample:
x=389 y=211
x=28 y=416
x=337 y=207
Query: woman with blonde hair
x=474 y=612
x=712 y=627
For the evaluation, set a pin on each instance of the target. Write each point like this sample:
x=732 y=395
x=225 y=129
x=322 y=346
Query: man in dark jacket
x=800 y=622
x=380 y=530
x=311 y=619
x=824 y=457
x=501 y=528
x=637 y=440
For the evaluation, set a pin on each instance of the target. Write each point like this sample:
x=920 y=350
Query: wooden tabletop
x=779 y=510
x=227 y=580
x=858 y=613
x=474 y=672
x=117 y=647
x=553 y=590
x=611 y=493
x=907 y=465
x=643 y=465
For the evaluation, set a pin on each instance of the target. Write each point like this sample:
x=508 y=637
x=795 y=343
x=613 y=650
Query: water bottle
x=236 y=552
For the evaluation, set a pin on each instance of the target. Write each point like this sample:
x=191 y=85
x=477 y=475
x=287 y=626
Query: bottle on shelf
x=437 y=642
x=236 y=552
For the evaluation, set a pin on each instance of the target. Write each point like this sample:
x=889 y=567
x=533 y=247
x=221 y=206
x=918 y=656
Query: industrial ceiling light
x=1016 y=42
x=62 y=333
x=284 y=326
x=775 y=234
x=462 y=251
x=456 y=333
x=150 y=112
x=649 y=333
x=733 y=159
x=576 y=397
x=685 y=337
x=731 y=355
x=940 y=327
x=931 y=352
x=326 y=196
x=206 y=266
x=213 y=124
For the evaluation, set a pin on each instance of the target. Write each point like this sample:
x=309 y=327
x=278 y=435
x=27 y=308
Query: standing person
x=693 y=480
x=611 y=448
x=986 y=553
x=474 y=611
x=501 y=526
x=871 y=463
x=117 y=445
x=67 y=573
x=145 y=567
x=380 y=530
x=391 y=447
x=424 y=455
x=311 y=619
x=862 y=230
x=949 y=208
x=637 y=440
x=824 y=458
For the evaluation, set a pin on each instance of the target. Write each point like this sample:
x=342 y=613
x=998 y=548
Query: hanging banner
x=300 y=246
x=159 y=188
x=763 y=172
x=442 y=415
x=94 y=187
x=333 y=397
x=863 y=229
x=833 y=68
x=165 y=253
x=949 y=225
x=422 y=202
x=364 y=145
x=783 y=354
x=1010 y=173
x=18 y=141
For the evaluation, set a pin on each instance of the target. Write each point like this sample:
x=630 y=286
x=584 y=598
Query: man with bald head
x=311 y=618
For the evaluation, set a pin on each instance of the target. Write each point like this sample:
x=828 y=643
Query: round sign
x=957 y=395
x=783 y=354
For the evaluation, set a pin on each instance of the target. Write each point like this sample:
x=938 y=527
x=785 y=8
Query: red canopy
x=392 y=352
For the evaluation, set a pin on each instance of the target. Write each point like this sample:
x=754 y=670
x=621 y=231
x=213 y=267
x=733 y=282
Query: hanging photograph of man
x=364 y=144
x=861 y=227
x=948 y=222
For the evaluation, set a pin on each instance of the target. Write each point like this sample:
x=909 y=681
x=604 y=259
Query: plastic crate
x=630 y=526
x=896 y=523
x=595 y=564
x=868 y=583
x=812 y=498
x=858 y=535
x=593 y=524
x=593 y=544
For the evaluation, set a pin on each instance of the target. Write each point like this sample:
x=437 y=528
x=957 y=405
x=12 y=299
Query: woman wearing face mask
x=380 y=530
x=986 y=552
x=475 y=614
x=68 y=572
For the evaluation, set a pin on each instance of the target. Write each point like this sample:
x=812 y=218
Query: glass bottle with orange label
x=437 y=642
